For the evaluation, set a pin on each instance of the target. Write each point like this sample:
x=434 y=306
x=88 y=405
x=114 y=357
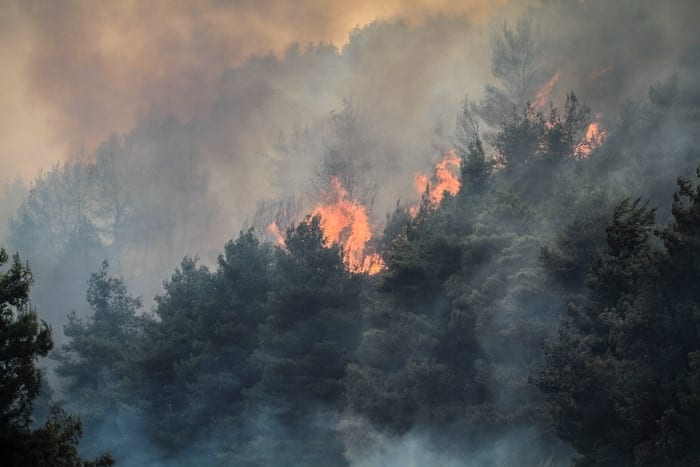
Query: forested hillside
x=530 y=298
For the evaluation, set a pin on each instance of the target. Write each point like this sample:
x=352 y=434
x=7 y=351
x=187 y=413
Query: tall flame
x=345 y=222
x=542 y=95
x=445 y=179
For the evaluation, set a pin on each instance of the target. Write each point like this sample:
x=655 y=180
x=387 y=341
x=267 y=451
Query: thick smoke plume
x=77 y=71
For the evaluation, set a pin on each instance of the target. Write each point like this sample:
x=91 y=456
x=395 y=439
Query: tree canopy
x=22 y=340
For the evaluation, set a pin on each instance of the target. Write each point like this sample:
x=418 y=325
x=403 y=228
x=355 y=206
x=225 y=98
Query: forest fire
x=444 y=180
x=345 y=221
x=595 y=136
x=402 y=233
x=542 y=96
x=274 y=231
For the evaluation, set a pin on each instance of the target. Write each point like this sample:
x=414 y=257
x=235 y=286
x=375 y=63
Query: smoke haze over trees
x=428 y=233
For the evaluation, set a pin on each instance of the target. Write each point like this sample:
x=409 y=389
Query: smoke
x=612 y=51
x=254 y=86
x=254 y=92
x=77 y=71
x=365 y=447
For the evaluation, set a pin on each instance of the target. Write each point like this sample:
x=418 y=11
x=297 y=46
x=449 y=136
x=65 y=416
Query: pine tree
x=22 y=341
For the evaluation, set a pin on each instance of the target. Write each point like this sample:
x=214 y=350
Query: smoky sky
x=247 y=78
x=75 y=71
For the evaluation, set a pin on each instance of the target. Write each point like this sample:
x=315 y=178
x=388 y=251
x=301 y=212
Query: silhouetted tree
x=621 y=380
x=307 y=339
x=475 y=167
x=98 y=359
x=22 y=341
x=517 y=63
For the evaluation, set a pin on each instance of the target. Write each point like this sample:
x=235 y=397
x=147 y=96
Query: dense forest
x=531 y=301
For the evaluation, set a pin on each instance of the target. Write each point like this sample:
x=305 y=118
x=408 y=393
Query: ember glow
x=274 y=231
x=595 y=136
x=598 y=73
x=445 y=179
x=542 y=96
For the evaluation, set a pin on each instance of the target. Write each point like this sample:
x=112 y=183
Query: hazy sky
x=76 y=71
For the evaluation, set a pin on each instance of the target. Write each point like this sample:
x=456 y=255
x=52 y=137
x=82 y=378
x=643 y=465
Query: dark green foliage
x=475 y=167
x=98 y=362
x=621 y=379
x=181 y=354
x=682 y=237
x=620 y=269
x=305 y=343
x=436 y=353
x=567 y=260
x=196 y=362
x=281 y=356
x=22 y=341
x=534 y=151
x=282 y=353
x=566 y=139
x=257 y=348
x=418 y=262
x=521 y=139
x=55 y=444
x=101 y=346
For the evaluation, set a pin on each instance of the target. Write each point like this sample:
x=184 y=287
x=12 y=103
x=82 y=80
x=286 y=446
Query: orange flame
x=598 y=73
x=274 y=231
x=444 y=180
x=345 y=222
x=542 y=95
x=372 y=264
x=595 y=136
